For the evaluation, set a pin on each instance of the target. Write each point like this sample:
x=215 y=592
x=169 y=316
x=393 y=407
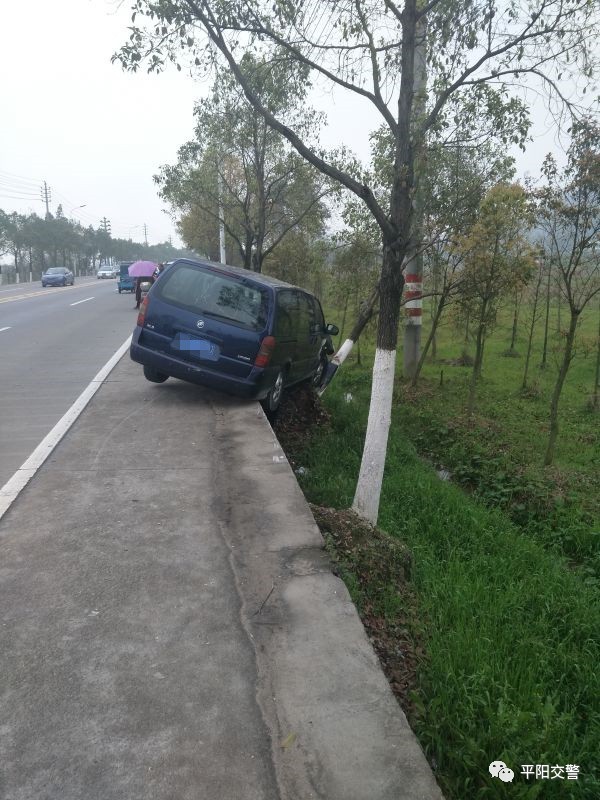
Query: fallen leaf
x=288 y=741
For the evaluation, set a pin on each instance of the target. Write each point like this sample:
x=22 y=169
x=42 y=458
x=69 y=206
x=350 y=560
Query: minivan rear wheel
x=273 y=399
x=154 y=375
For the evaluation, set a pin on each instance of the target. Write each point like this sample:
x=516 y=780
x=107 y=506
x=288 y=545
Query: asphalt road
x=53 y=342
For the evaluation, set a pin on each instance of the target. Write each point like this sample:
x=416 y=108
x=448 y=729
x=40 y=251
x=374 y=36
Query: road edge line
x=14 y=485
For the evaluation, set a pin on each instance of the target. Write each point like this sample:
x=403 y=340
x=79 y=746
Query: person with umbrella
x=139 y=270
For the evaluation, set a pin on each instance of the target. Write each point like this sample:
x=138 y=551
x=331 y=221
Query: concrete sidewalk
x=171 y=628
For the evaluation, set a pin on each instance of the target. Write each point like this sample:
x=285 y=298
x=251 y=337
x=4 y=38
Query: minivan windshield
x=55 y=271
x=222 y=296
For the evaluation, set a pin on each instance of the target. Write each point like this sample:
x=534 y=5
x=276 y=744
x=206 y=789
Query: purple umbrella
x=142 y=269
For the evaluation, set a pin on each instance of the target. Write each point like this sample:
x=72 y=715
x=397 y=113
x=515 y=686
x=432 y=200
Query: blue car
x=58 y=276
x=232 y=330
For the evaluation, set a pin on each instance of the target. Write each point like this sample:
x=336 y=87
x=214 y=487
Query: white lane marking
x=81 y=301
x=5 y=329
x=44 y=291
x=11 y=489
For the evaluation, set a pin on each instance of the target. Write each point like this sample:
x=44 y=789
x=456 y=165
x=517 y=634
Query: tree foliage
x=239 y=172
x=35 y=243
x=569 y=217
x=477 y=53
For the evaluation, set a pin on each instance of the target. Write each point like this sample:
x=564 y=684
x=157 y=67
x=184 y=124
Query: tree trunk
x=430 y=339
x=343 y=325
x=365 y=314
x=467 y=331
x=370 y=479
x=560 y=380
x=531 y=330
x=414 y=258
x=597 y=378
x=545 y=350
x=476 y=374
x=515 y=324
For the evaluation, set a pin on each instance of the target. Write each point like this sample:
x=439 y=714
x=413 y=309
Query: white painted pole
x=370 y=478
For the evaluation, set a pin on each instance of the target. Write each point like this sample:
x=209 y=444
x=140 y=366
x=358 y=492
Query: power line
x=7 y=192
x=11 y=187
x=19 y=179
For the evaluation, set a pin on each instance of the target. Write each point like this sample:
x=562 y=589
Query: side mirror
x=332 y=330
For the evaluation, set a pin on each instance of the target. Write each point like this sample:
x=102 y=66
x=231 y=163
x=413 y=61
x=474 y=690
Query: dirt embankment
x=375 y=566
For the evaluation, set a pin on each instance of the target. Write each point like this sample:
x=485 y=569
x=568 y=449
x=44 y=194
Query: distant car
x=232 y=330
x=107 y=271
x=58 y=276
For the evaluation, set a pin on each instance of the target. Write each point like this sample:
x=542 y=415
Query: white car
x=107 y=272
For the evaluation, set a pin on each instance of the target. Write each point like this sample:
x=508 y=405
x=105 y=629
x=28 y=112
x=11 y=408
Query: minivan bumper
x=256 y=386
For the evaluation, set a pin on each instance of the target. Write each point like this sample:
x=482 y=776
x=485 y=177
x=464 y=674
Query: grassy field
x=505 y=563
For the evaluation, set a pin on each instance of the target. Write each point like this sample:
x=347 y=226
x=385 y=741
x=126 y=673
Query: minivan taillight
x=266 y=351
x=143 y=310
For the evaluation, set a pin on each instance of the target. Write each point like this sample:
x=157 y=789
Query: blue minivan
x=231 y=329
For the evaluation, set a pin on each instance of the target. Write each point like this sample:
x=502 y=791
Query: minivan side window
x=307 y=314
x=287 y=313
x=319 y=318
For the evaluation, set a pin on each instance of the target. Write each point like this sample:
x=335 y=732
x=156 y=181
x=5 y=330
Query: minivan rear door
x=207 y=317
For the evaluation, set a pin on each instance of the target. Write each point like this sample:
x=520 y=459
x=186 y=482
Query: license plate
x=196 y=347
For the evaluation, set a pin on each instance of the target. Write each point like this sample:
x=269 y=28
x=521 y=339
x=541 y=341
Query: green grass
x=498 y=455
x=512 y=670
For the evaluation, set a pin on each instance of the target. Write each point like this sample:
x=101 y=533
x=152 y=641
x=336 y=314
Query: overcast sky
x=97 y=135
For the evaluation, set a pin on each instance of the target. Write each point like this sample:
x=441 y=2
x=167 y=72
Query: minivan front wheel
x=273 y=399
x=318 y=375
x=154 y=375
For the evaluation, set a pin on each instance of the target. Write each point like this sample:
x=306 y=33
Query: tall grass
x=513 y=633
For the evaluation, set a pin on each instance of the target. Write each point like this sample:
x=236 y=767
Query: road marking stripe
x=5 y=329
x=41 y=292
x=12 y=488
x=81 y=301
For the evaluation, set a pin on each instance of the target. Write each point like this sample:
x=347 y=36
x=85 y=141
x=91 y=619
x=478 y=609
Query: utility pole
x=104 y=226
x=222 y=253
x=145 y=234
x=46 y=193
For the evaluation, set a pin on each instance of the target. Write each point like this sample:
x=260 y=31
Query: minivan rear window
x=221 y=296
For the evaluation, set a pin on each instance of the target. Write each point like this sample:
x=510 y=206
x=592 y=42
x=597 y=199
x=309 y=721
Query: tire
x=318 y=376
x=273 y=399
x=153 y=375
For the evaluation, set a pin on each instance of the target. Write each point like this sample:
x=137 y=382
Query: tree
x=569 y=213
x=455 y=181
x=5 y=233
x=497 y=257
x=475 y=52
x=533 y=319
x=240 y=173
